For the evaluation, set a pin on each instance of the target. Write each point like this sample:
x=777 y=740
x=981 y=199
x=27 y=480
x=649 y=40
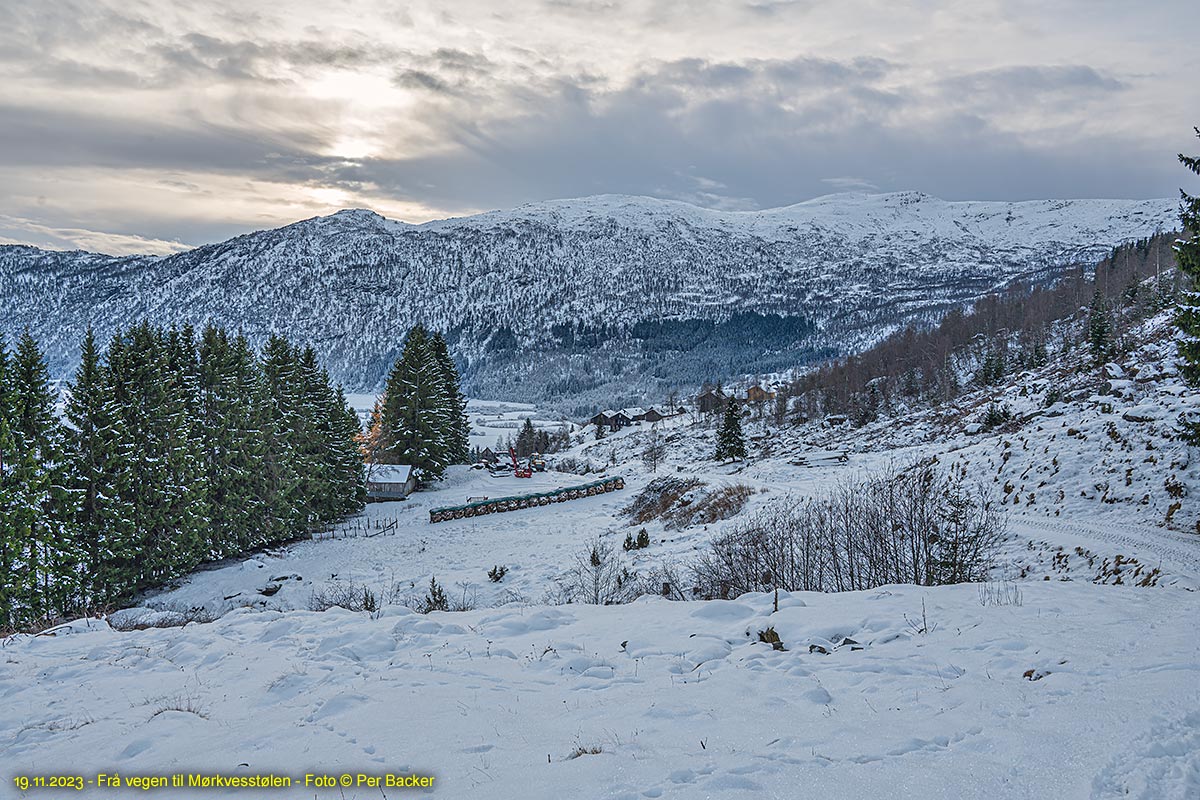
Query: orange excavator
x=518 y=470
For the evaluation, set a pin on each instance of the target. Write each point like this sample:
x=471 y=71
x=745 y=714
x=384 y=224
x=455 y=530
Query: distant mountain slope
x=596 y=299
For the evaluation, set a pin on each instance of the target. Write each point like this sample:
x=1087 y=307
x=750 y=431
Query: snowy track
x=1177 y=553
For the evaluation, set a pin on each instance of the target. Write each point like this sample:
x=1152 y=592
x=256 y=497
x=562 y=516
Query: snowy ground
x=1077 y=684
x=1081 y=690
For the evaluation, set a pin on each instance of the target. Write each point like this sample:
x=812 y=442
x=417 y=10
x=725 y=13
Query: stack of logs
x=499 y=504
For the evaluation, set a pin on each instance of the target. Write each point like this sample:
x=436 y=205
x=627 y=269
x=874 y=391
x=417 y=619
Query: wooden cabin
x=653 y=415
x=619 y=419
x=711 y=401
x=390 y=481
x=601 y=418
x=757 y=394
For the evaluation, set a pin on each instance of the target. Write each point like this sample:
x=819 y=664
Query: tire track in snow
x=1178 y=552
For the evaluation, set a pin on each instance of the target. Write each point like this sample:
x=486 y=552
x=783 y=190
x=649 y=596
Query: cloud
x=846 y=184
x=14 y=230
x=185 y=123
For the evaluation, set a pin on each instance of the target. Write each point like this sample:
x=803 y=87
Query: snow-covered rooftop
x=390 y=473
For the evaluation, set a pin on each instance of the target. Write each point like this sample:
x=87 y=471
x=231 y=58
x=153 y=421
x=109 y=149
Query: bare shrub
x=598 y=576
x=724 y=502
x=344 y=594
x=585 y=750
x=902 y=526
x=1004 y=592
x=467 y=600
x=660 y=495
x=186 y=704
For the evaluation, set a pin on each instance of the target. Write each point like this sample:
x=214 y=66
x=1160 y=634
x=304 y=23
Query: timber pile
x=497 y=505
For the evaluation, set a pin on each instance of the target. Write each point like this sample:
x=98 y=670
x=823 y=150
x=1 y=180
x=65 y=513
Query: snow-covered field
x=1060 y=678
x=492 y=421
x=1081 y=690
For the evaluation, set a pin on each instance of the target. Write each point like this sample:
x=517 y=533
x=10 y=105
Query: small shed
x=389 y=481
x=488 y=456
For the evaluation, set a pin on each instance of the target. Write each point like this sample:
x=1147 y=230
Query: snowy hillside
x=600 y=298
x=1081 y=444
x=1071 y=672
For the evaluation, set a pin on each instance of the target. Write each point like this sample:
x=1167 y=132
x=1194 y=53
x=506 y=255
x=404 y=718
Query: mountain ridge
x=596 y=299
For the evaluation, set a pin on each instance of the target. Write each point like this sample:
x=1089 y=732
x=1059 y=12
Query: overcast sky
x=145 y=126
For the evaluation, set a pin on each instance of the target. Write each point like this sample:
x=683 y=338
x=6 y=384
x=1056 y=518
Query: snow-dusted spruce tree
x=1100 y=329
x=338 y=487
x=526 y=439
x=458 y=428
x=8 y=490
x=313 y=448
x=1187 y=254
x=233 y=441
x=1187 y=314
x=45 y=575
x=167 y=488
x=98 y=462
x=371 y=442
x=731 y=442
x=417 y=412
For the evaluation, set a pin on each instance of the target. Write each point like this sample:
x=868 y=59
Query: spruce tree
x=287 y=449
x=416 y=412
x=731 y=443
x=46 y=564
x=371 y=442
x=8 y=492
x=152 y=390
x=234 y=440
x=526 y=439
x=458 y=428
x=339 y=471
x=99 y=477
x=1187 y=256
x=1100 y=335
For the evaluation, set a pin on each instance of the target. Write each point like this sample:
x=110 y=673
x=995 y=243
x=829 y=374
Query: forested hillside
x=177 y=448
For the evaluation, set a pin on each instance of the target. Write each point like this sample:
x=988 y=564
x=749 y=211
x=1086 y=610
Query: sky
x=147 y=126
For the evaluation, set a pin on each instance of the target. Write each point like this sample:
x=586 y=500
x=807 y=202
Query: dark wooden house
x=653 y=415
x=711 y=401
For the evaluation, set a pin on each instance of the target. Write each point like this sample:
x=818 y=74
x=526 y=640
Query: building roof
x=389 y=473
x=635 y=411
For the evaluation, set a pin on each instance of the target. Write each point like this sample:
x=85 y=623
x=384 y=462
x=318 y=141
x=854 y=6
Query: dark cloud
x=39 y=137
x=1031 y=84
x=643 y=136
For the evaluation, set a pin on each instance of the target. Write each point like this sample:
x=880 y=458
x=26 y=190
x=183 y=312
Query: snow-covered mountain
x=599 y=298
